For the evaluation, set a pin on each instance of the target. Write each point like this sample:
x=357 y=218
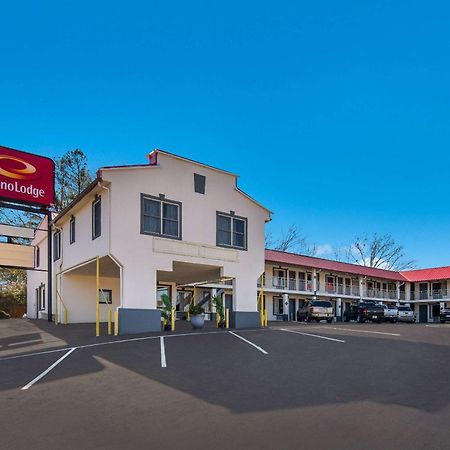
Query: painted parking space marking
x=163 y=352
x=45 y=372
x=313 y=335
x=250 y=343
x=121 y=341
x=360 y=331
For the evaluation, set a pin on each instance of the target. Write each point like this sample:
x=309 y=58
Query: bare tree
x=379 y=251
x=291 y=240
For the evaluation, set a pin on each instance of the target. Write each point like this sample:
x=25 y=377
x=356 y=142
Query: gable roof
x=435 y=273
x=328 y=264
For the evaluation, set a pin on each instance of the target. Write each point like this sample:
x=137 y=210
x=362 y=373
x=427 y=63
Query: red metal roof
x=436 y=273
x=327 y=264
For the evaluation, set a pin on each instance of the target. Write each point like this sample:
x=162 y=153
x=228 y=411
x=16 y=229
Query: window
x=56 y=245
x=105 y=296
x=40 y=293
x=199 y=183
x=231 y=231
x=160 y=291
x=96 y=218
x=72 y=230
x=160 y=217
x=38 y=256
x=277 y=306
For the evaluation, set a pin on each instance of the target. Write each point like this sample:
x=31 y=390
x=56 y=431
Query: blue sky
x=335 y=114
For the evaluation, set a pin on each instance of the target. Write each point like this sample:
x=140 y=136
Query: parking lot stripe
x=163 y=352
x=360 y=331
x=45 y=372
x=250 y=343
x=120 y=341
x=313 y=335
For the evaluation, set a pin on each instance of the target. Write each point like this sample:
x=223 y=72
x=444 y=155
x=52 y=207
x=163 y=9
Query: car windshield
x=323 y=304
x=404 y=308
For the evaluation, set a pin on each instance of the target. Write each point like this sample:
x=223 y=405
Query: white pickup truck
x=390 y=313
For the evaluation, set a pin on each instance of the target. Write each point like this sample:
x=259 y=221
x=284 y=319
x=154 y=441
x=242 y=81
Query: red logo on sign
x=25 y=177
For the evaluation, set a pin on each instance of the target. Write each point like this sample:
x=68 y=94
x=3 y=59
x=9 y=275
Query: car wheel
x=329 y=320
x=308 y=319
x=360 y=319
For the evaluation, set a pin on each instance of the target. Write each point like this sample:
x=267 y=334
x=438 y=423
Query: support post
x=227 y=318
x=56 y=300
x=109 y=321
x=97 y=306
x=173 y=319
x=49 y=268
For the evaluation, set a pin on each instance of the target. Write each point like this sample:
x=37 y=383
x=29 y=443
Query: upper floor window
x=160 y=217
x=199 y=183
x=96 y=218
x=231 y=231
x=38 y=256
x=72 y=230
x=56 y=245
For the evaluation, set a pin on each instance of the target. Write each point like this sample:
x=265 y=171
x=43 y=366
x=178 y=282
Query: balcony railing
x=286 y=284
x=435 y=294
x=379 y=293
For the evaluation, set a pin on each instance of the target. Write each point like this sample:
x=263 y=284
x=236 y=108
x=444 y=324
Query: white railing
x=434 y=294
x=380 y=293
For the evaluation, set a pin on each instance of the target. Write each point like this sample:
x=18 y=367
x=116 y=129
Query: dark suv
x=364 y=311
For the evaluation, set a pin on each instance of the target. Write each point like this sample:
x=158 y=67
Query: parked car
x=364 y=311
x=316 y=310
x=406 y=314
x=390 y=313
x=444 y=315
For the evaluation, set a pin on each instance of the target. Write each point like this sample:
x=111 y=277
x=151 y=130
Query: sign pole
x=49 y=267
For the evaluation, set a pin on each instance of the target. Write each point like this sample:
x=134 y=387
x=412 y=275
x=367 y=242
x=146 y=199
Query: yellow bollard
x=116 y=322
x=173 y=319
x=227 y=318
x=188 y=317
x=109 y=321
x=65 y=316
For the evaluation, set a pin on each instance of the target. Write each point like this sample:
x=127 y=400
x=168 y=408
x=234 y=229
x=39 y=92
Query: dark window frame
x=233 y=217
x=72 y=230
x=199 y=183
x=101 y=302
x=38 y=256
x=96 y=233
x=56 y=245
x=162 y=199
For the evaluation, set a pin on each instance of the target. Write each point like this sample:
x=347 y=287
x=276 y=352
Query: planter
x=197 y=321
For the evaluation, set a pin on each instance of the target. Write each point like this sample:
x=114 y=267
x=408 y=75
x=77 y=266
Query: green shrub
x=195 y=310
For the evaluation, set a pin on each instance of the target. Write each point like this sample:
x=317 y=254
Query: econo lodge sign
x=26 y=178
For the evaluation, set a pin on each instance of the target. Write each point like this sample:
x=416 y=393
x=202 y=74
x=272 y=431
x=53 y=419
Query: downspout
x=61 y=246
x=109 y=245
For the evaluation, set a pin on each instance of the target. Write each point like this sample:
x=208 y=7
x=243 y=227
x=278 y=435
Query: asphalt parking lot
x=313 y=386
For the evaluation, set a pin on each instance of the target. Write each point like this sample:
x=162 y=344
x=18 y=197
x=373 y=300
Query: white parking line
x=250 y=343
x=313 y=335
x=360 y=331
x=45 y=372
x=120 y=341
x=163 y=352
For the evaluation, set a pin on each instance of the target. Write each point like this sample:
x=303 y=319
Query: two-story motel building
x=183 y=228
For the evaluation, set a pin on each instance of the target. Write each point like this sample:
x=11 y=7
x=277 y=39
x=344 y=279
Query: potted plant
x=218 y=304
x=166 y=312
x=196 y=313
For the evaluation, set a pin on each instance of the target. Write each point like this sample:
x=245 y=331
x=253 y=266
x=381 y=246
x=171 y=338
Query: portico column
x=314 y=281
x=360 y=280
x=285 y=307
x=339 y=309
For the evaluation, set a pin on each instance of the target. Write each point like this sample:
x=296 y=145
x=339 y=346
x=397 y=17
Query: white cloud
x=324 y=249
